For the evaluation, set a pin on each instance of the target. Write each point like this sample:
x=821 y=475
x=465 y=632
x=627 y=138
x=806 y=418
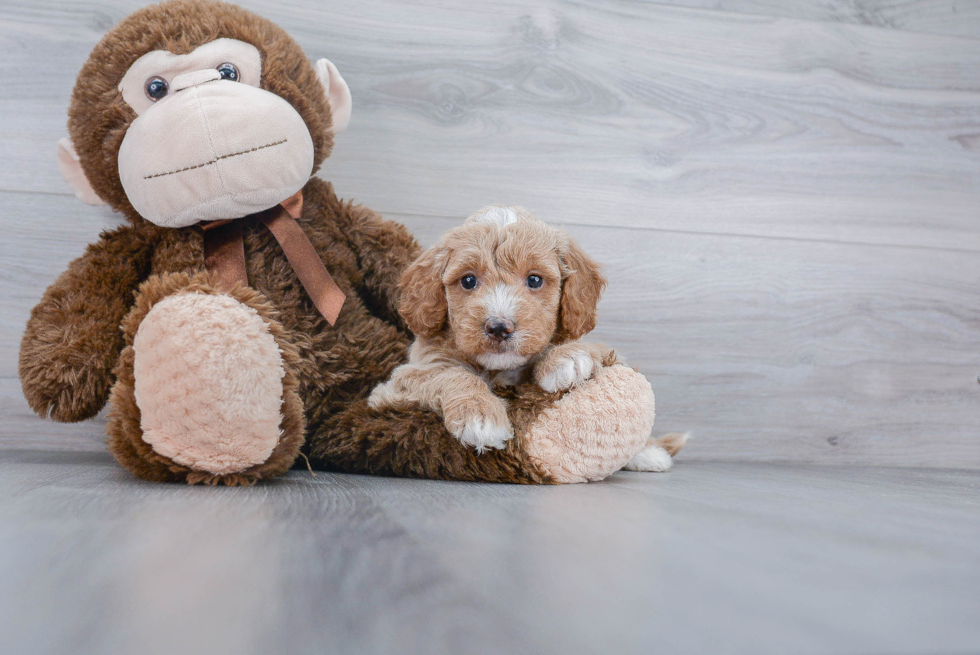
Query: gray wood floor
x=787 y=198
x=711 y=558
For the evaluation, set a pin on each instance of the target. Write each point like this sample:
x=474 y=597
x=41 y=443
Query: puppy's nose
x=498 y=329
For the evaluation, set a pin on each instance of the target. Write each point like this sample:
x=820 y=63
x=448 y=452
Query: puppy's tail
x=672 y=442
x=658 y=454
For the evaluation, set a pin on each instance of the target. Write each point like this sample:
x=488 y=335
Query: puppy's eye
x=468 y=282
x=228 y=71
x=535 y=281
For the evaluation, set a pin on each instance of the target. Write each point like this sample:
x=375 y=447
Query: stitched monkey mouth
x=217 y=159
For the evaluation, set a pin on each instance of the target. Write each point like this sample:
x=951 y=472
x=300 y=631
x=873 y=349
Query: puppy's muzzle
x=499 y=329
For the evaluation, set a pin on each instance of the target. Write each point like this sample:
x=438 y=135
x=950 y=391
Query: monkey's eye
x=535 y=281
x=468 y=282
x=228 y=72
x=156 y=88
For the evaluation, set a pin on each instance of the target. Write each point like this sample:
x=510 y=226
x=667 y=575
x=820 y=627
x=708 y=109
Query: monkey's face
x=207 y=142
x=199 y=131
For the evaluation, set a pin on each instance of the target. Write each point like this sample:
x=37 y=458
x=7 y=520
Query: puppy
x=498 y=299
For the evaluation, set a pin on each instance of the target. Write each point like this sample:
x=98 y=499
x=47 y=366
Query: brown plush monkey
x=217 y=353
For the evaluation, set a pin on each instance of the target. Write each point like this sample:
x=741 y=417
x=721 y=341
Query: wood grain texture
x=949 y=17
x=616 y=113
x=786 y=197
x=709 y=558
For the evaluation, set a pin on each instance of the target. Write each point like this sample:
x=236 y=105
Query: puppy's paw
x=480 y=422
x=382 y=397
x=482 y=433
x=653 y=458
x=564 y=371
x=375 y=400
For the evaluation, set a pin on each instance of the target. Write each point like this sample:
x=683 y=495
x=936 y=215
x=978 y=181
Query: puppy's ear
x=423 y=302
x=580 y=293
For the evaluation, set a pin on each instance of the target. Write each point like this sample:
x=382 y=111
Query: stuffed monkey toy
x=244 y=312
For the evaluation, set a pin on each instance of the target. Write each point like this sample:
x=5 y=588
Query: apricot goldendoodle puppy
x=500 y=298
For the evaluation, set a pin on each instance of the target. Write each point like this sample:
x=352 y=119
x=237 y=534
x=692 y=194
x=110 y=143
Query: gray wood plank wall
x=786 y=194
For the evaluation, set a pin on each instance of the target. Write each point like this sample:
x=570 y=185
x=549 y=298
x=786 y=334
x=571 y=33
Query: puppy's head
x=502 y=286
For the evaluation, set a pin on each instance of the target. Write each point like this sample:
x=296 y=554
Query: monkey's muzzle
x=214 y=150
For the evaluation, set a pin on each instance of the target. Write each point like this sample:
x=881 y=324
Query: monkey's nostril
x=498 y=329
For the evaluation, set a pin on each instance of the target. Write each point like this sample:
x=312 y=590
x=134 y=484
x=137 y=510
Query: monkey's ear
x=338 y=93
x=71 y=170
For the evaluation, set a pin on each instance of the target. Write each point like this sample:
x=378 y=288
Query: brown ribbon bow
x=224 y=254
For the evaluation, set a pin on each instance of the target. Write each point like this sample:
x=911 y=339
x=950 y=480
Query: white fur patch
x=383 y=396
x=500 y=361
x=481 y=434
x=501 y=302
x=653 y=458
x=571 y=372
x=499 y=216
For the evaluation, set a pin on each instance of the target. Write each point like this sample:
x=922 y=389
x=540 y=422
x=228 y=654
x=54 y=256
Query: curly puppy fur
x=73 y=352
x=501 y=297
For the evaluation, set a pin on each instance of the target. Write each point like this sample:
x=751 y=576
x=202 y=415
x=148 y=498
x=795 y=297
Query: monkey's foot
x=210 y=389
x=208 y=383
x=594 y=429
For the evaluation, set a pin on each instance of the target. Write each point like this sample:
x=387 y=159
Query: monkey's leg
x=581 y=435
x=205 y=389
x=595 y=428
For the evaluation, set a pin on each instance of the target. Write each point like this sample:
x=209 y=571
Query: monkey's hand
x=73 y=336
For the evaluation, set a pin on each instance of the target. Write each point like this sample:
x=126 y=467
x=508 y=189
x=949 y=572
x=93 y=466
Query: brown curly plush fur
x=73 y=352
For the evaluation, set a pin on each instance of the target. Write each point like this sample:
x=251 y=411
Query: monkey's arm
x=73 y=336
x=384 y=249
